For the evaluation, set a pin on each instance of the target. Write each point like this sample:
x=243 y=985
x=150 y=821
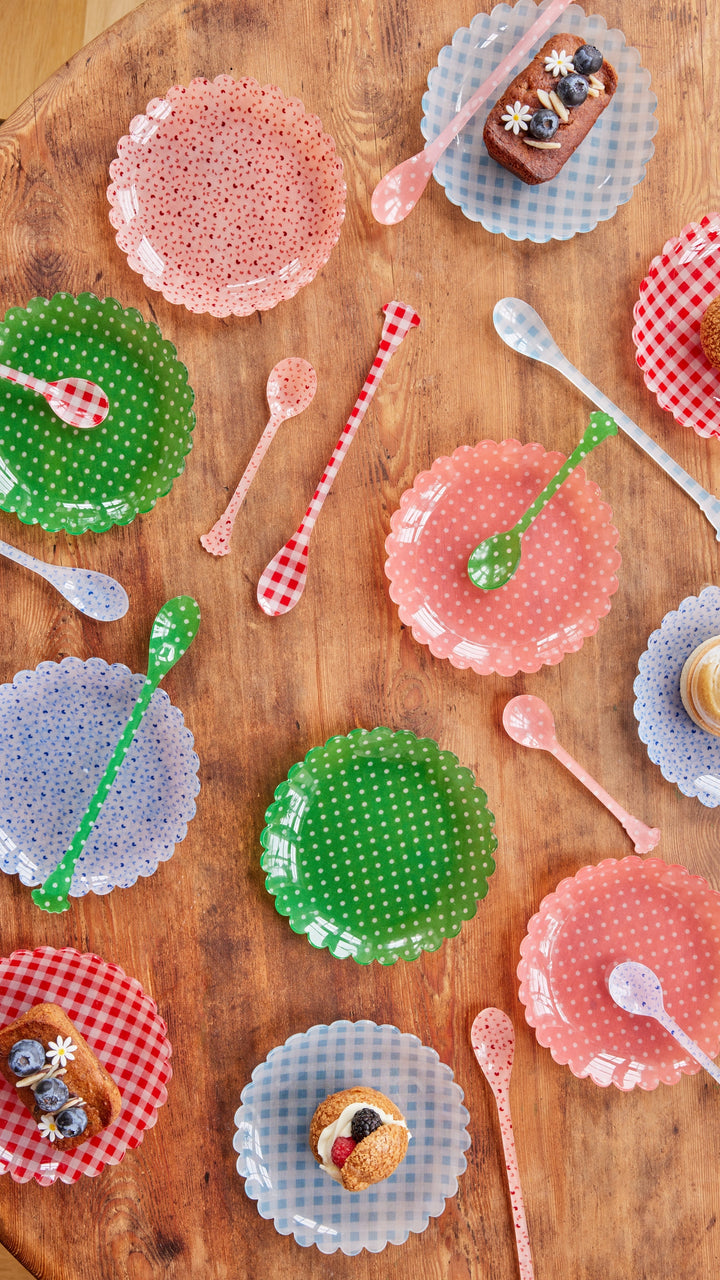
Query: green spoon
x=174 y=630
x=496 y=559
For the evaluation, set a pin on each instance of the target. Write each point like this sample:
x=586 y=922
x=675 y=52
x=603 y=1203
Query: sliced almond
x=597 y=84
x=558 y=107
x=544 y=98
x=542 y=146
x=593 y=93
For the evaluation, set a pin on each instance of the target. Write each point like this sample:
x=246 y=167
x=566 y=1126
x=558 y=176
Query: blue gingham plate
x=58 y=728
x=600 y=175
x=273 y=1123
x=681 y=748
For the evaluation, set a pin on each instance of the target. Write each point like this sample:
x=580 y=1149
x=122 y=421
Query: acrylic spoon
x=529 y=721
x=496 y=559
x=493 y=1039
x=94 y=594
x=282 y=581
x=636 y=989
x=291 y=386
x=76 y=401
x=396 y=195
x=520 y=326
x=173 y=631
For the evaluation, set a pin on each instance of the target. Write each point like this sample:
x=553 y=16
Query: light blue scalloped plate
x=273 y=1123
x=681 y=748
x=598 y=177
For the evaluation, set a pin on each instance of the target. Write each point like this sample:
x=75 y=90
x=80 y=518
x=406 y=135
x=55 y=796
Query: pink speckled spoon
x=493 y=1039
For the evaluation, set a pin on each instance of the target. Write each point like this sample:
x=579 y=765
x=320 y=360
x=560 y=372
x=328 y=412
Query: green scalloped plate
x=378 y=846
x=63 y=477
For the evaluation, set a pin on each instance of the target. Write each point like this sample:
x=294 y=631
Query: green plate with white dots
x=68 y=478
x=378 y=846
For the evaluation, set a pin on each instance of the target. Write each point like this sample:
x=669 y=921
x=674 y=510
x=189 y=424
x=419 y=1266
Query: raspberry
x=341 y=1149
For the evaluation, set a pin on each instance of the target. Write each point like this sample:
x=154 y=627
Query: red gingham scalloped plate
x=680 y=283
x=121 y=1025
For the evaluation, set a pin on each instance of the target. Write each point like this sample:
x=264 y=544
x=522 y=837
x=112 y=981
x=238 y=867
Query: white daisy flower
x=48 y=1127
x=61 y=1051
x=559 y=64
x=516 y=118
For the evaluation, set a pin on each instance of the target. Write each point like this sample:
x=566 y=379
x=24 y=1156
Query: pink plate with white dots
x=567 y=572
x=679 y=284
x=633 y=908
x=226 y=197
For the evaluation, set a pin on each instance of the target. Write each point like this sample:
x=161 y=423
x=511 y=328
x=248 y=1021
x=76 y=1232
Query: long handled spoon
x=291 y=386
x=520 y=326
x=529 y=721
x=282 y=581
x=493 y=1039
x=396 y=195
x=496 y=559
x=173 y=631
x=76 y=401
x=636 y=989
x=94 y=594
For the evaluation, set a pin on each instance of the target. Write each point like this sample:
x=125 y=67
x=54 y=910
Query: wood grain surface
x=616 y=1186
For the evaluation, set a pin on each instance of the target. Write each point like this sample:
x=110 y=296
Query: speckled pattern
x=226 y=196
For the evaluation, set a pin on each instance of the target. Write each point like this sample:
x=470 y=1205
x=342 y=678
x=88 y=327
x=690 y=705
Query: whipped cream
x=340 y=1128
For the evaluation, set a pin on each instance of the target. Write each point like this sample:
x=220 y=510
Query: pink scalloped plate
x=628 y=909
x=226 y=197
x=680 y=283
x=566 y=577
x=122 y=1027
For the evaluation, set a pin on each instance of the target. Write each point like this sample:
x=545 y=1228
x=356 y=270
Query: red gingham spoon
x=282 y=581
x=75 y=401
x=493 y=1039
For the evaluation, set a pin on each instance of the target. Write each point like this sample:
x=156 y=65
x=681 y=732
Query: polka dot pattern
x=561 y=589
x=378 y=846
x=632 y=909
x=226 y=196
x=63 y=477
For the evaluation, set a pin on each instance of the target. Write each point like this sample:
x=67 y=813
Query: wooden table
x=616 y=1185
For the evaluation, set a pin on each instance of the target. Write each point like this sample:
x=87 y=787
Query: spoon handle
x=217 y=541
x=23 y=379
x=708 y=504
x=692 y=1048
x=600 y=427
x=644 y=838
x=522 y=1238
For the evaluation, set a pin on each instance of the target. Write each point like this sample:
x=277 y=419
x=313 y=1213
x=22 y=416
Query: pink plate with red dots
x=226 y=196
x=680 y=283
x=567 y=572
x=638 y=909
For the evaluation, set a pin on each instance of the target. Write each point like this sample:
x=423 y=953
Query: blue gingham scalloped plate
x=596 y=179
x=58 y=728
x=681 y=748
x=273 y=1123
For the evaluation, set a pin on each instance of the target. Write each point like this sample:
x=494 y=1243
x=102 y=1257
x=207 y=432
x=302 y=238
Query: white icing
x=340 y=1128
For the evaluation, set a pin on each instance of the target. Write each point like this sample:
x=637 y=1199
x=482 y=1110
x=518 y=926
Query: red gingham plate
x=121 y=1025
x=673 y=296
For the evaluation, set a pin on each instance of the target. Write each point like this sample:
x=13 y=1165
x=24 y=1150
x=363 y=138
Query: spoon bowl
x=637 y=989
x=95 y=594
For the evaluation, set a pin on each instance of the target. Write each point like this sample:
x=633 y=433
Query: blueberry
x=572 y=91
x=587 y=59
x=51 y=1094
x=72 y=1122
x=26 y=1057
x=364 y=1122
x=543 y=125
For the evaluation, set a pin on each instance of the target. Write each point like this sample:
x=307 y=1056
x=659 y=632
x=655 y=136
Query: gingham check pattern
x=680 y=283
x=275 y=1157
x=121 y=1025
x=283 y=580
x=600 y=175
x=77 y=400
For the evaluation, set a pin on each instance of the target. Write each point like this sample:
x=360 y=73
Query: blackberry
x=364 y=1122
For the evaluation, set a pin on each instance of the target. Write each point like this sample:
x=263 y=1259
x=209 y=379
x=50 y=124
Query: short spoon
x=636 y=989
x=396 y=195
x=291 y=386
x=94 y=594
x=173 y=631
x=529 y=721
x=520 y=326
x=76 y=401
x=496 y=559
x=493 y=1039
